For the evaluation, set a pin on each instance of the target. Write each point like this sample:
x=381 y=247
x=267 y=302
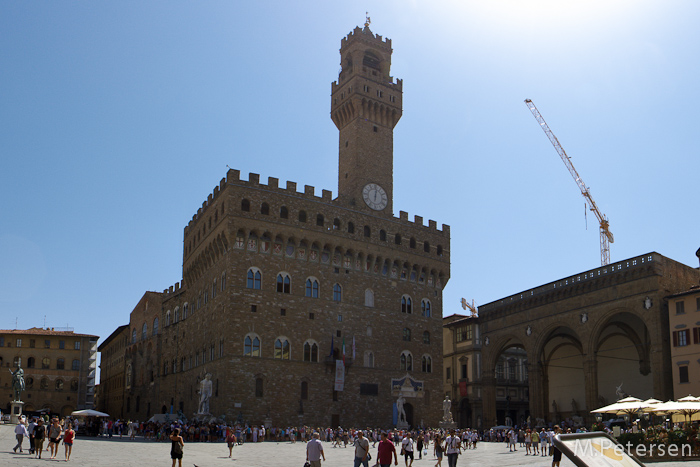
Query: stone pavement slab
x=115 y=452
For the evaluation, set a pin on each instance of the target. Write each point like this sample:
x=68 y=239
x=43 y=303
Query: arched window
x=213 y=289
x=74 y=385
x=312 y=287
x=284 y=212
x=382 y=235
x=282 y=349
x=185 y=310
x=44 y=384
x=406 y=304
x=45 y=362
x=439 y=250
x=76 y=365
x=167 y=318
x=284 y=283
x=302 y=216
x=337 y=293
x=319 y=220
x=412 y=242
x=155 y=326
x=397 y=239
x=165 y=368
x=351 y=227
x=406 y=361
x=367 y=231
x=59 y=385
x=144 y=332
x=258 y=387
x=425 y=308
x=426 y=337
x=31 y=362
x=336 y=224
x=406 y=334
x=369 y=298
x=426 y=365
x=426 y=247
x=60 y=364
x=310 y=351
x=254 y=279
x=304 y=390
x=245 y=205
x=133 y=336
x=176 y=315
x=265 y=209
x=369 y=359
x=251 y=346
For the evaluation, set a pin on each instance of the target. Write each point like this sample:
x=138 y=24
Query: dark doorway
x=465 y=414
x=408 y=408
x=164 y=409
x=335 y=420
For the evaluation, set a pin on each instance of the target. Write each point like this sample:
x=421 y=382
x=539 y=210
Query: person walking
x=39 y=435
x=314 y=451
x=556 y=453
x=452 y=445
x=68 y=437
x=385 y=450
x=535 y=442
x=176 y=447
x=30 y=429
x=407 y=448
x=361 y=450
x=20 y=433
x=419 y=444
x=54 y=437
x=438 y=449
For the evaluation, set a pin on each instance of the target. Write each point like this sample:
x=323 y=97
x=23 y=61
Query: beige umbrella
x=689 y=398
x=680 y=410
x=619 y=408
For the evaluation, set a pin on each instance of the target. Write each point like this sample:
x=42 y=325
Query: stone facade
x=276 y=282
x=587 y=335
x=59 y=368
x=113 y=372
x=684 y=329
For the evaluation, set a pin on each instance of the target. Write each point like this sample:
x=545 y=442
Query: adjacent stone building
x=279 y=286
x=587 y=338
x=59 y=368
x=684 y=328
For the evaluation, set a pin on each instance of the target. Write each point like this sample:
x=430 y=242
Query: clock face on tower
x=374 y=196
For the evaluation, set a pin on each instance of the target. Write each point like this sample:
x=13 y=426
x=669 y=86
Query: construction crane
x=606 y=237
x=472 y=307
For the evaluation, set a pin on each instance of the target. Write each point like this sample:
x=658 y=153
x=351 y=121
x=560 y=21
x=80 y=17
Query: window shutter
x=675 y=338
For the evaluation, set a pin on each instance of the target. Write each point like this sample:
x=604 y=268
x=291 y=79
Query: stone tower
x=365 y=106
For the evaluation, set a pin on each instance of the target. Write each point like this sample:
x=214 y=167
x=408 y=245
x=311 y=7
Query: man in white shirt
x=361 y=450
x=407 y=446
x=314 y=451
x=20 y=433
x=452 y=445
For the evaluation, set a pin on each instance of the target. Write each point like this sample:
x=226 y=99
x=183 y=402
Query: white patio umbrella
x=627 y=407
x=89 y=413
x=689 y=398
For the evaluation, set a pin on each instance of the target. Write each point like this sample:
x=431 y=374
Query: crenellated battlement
x=233 y=178
x=174 y=289
x=365 y=35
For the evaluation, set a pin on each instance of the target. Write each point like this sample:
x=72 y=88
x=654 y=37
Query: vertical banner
x=463 y=388
x=339 y=375
x=353 y=348
x=343 y=351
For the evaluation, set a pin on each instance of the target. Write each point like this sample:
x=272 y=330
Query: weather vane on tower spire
x=368 y=21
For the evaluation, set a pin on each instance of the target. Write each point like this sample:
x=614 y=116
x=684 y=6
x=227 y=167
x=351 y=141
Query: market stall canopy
x=89 y=413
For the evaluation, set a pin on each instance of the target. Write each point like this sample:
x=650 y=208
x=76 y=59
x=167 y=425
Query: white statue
x=399 y=408
x=205 y=394
x=620 y=393
x=446 y=409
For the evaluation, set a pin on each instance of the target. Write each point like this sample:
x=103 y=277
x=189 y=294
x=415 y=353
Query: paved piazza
x=100 y=452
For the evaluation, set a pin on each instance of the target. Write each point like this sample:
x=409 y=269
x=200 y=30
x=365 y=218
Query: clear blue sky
x=117 y=119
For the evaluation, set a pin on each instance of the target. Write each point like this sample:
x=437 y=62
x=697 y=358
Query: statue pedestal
x=402 y=425
x=15 y=411
x=447 y=425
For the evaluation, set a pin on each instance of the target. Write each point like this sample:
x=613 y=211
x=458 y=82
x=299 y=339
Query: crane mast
x=606 y=237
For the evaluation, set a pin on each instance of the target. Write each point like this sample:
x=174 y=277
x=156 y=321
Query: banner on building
x=463 y=388
x=339 y=375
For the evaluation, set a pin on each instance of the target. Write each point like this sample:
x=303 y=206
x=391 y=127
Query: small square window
x=311 y=316
x=283 y=311
x=375 y=129
x=340 y=318
x=680 y=308
x=683 y=374
x=253 y=308
x=337 y=333
x=47 y=344
x=61 y=344
x=32 y=343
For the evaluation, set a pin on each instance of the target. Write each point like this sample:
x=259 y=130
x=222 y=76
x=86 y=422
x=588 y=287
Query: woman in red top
x=384 y=451
x=68 y=437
